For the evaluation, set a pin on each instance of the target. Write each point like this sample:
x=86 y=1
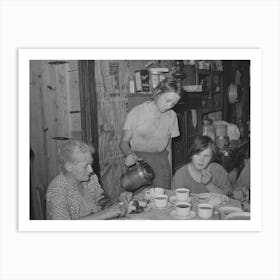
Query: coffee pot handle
x=140 y=160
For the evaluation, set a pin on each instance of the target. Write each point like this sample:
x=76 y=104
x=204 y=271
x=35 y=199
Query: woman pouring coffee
x=148 y=130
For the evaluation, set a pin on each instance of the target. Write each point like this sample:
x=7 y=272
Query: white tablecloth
x=151 y=213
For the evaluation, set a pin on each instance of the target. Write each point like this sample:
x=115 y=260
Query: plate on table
x=189 y=217
x=226 y=210
x=238 y=216
x=214 y=199
x=152 y=205
x=173 y=199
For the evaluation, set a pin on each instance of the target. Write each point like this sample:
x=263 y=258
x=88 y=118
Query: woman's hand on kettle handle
x=131 y=159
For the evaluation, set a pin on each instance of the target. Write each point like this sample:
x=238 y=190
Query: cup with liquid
x=182 y=194
x=205 y=210
x=183 y=209
x=161 y=201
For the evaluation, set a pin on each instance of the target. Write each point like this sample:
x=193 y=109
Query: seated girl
x=200 y=174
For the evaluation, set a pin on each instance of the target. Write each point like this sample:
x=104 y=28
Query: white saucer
x=238 y=216
x=173 y=199
x=189 y=217
x=215 y=199
x=152 y=205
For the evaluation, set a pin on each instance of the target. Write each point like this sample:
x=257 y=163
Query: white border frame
x=25 y=55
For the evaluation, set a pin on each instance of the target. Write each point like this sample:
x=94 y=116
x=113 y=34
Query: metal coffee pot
x=137 y=175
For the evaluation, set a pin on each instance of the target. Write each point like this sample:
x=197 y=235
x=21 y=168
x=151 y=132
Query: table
x=165 y=214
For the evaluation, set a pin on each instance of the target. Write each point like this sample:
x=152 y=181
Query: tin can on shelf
x=131 y=85
x=142 y=81
x=157 y=75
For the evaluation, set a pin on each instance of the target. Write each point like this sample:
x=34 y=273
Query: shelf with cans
x=207 y=91
x=142 y=82
x=212 y=98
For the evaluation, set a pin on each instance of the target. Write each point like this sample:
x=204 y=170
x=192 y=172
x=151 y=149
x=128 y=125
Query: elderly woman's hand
x=131 y=159
x=116 y=210
x=125 y=197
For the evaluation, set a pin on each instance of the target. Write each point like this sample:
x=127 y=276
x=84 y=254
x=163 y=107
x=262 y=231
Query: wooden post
x=89 y=114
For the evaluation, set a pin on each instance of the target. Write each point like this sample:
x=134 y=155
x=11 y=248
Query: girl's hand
x=131 y=159
x=206 y=176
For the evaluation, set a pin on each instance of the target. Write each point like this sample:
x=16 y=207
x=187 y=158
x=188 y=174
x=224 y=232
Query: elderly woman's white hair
x=69 y=149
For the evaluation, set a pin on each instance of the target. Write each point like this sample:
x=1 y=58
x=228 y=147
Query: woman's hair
x=70 y=148
x=199 y=144
x=167 y=85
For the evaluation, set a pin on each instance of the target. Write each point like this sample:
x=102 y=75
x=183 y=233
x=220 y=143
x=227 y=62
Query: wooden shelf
x=139 y=94
x=207 y=72
x=211 y=110
x=203 y=72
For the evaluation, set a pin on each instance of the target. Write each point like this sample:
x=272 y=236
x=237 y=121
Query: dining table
x=151 y=212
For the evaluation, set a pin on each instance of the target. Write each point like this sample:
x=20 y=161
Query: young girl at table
x=200 y=174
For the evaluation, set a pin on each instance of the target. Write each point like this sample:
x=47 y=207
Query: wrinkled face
x=81 y=168
x=202 y=160
x=166 y=101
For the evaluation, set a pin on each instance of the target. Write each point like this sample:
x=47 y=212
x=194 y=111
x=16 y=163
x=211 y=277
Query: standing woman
x=148 y=130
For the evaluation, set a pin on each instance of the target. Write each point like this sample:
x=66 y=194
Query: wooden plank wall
x=54 y=112
x=111 y=99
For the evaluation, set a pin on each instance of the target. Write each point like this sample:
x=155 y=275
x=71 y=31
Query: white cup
x=153 y=192
x=205 y=210
x=161 y=201
x=183 y=209
x=182 y=194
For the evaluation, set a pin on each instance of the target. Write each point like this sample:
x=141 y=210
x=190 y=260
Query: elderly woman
x=200 y=174
x=75 y=193
x=148 y=130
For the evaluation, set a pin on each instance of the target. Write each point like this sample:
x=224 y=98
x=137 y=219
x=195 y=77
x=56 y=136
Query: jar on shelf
x=131 y=84
x=208 y=128
x=155 y=78
x=157 y=75
x=241 y=128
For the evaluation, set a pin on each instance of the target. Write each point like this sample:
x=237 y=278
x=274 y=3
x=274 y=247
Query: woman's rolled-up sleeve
x=174 y=127
x=130 y=120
